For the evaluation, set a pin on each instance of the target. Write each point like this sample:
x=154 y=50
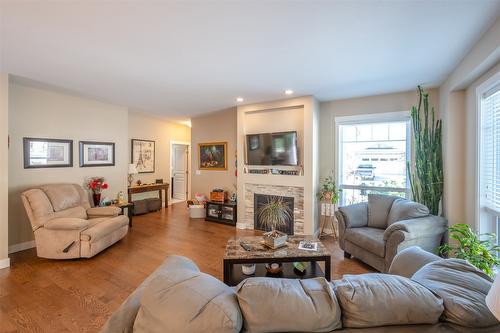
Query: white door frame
x=188 y=144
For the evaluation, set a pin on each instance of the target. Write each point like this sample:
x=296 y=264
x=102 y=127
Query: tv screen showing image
x=272 y=149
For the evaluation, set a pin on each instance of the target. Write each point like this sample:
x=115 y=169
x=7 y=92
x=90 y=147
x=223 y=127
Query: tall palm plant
x=426 y=175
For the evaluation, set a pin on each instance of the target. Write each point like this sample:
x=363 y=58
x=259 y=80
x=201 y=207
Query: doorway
x=180 y=171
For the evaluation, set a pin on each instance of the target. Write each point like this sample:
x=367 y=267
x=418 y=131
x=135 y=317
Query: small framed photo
x=93 y=154
x=143 y=155
x=47 y=153
x=212 y=156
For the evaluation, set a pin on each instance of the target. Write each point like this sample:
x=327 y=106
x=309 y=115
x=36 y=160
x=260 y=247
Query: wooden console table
x=150 y=188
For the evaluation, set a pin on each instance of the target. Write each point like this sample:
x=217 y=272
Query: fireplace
x=261 y=200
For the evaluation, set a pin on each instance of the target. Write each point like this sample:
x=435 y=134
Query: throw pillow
x=184 y=300
x=463 y=289
x=379 y=206
x=355 y=215
x=371 y=300
x=288 y=305
x=403 y=209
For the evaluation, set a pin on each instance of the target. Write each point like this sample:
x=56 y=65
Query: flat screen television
x=272 y=149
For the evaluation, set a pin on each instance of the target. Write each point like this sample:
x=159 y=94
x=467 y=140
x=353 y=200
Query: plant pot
x=248 y=269
x=97 y=199
x=275 y=239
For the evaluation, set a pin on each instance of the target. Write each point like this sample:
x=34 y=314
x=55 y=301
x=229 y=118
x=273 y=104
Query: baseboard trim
x=240 y=226
x=5 y=263
x=21 y=246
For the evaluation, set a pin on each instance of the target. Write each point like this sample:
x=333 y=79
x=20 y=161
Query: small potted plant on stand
x=96 y=185
x=329 y=195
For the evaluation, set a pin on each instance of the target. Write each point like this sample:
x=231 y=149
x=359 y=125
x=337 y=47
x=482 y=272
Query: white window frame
x=398 y=116
x=481 y=213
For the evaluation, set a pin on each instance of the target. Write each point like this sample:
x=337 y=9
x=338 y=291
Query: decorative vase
x=248 y=269
x=97 y=199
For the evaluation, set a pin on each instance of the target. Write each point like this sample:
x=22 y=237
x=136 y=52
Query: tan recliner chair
x=66 y=226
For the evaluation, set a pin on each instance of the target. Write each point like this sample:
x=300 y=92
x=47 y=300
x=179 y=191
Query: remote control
x=246 y=246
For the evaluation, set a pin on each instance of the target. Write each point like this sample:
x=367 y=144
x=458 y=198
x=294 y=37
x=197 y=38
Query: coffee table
x=235 y=256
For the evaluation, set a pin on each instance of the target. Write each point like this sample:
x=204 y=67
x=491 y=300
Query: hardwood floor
x=40 y=295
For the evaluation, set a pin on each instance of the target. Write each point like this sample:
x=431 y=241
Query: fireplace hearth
x=262 y=199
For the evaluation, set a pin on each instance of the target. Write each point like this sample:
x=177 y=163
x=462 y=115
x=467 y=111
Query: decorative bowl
x=275 y=239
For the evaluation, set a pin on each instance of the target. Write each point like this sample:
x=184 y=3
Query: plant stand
x=328 y=220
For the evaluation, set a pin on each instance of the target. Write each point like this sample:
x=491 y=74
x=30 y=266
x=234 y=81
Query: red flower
x=104 y=186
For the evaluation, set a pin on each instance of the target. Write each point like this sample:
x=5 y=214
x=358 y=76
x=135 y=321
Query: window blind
x=490 y=150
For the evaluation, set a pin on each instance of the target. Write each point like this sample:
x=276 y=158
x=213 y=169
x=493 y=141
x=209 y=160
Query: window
x=489 y=168
x=372 y=153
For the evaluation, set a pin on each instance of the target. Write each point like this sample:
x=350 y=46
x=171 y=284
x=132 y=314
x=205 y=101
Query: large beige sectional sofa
x=65 y=226
x=423 y=293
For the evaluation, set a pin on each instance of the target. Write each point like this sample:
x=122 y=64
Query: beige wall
x=215 y=127
x=4 y=173
x=146 y=127
x=35 y=112
x=359 y=106
x=459 y=112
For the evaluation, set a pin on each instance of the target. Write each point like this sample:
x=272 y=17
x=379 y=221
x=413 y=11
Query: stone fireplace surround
x=297 y=193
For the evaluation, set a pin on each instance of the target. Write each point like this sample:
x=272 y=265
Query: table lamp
x=493 y=298
x=132 y=170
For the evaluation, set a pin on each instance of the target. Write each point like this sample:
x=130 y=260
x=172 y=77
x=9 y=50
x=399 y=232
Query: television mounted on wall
x=272 y=149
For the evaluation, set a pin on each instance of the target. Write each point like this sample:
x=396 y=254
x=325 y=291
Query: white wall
x=163 y=132
x=218 y=126
x=4 y=173
x=459 y=112
x=35 y=112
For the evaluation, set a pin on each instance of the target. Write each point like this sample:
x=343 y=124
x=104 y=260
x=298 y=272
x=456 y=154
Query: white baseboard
x=240 y=226
x=4 y=263
x=21 y=246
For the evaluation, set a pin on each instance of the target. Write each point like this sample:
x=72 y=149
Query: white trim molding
x=21 y=246
x=4 y=263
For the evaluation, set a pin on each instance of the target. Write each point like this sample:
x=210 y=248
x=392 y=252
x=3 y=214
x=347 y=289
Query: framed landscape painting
x=94 y=154
x=212 y=156
x=47 y=153
x=143 y=155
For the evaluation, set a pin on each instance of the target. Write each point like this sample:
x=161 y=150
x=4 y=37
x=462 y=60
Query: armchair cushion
x=379 y=206
x=463 y=289
x=67 y=223
x=355 y=216
x=62 y=196
x=419 y=227
x=370 y=239
x=410 y=260
x=103 y=211
x=103 y=228
x=403 y=209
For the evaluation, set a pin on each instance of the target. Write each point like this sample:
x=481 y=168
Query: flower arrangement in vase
x=96 y=185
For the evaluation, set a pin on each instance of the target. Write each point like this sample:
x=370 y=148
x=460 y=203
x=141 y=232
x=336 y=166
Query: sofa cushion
x=183 y=300
x=371 y=239
x=371 y=300
x=463 y=289
x=288 y=305
x=39 y=208
x=403 y=209
x=355 y=215
x=379 y=206
x=410 y=260
x=103 y=228
x=77 y=212
x=62 y=196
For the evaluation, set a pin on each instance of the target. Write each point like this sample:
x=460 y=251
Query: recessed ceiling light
x=288 y=92
x=239 y=99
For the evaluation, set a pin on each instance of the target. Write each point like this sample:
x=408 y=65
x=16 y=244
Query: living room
x=293 y=166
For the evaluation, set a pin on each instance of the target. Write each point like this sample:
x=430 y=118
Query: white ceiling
x=180 y=59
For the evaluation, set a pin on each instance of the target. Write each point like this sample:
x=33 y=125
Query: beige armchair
x=66 y=226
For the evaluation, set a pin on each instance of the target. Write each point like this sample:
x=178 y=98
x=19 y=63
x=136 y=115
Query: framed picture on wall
x=93 y=154
x=47 y=153
x=143 y=155
x=212 y=156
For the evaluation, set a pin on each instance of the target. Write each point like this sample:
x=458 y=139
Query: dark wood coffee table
x=235 y=256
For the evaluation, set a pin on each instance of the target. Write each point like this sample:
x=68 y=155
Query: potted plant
x=329 y=192
x=480 y=253
x=96 y=185
x=274 y=214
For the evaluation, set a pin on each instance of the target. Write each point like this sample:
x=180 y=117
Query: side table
x=130 y=210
